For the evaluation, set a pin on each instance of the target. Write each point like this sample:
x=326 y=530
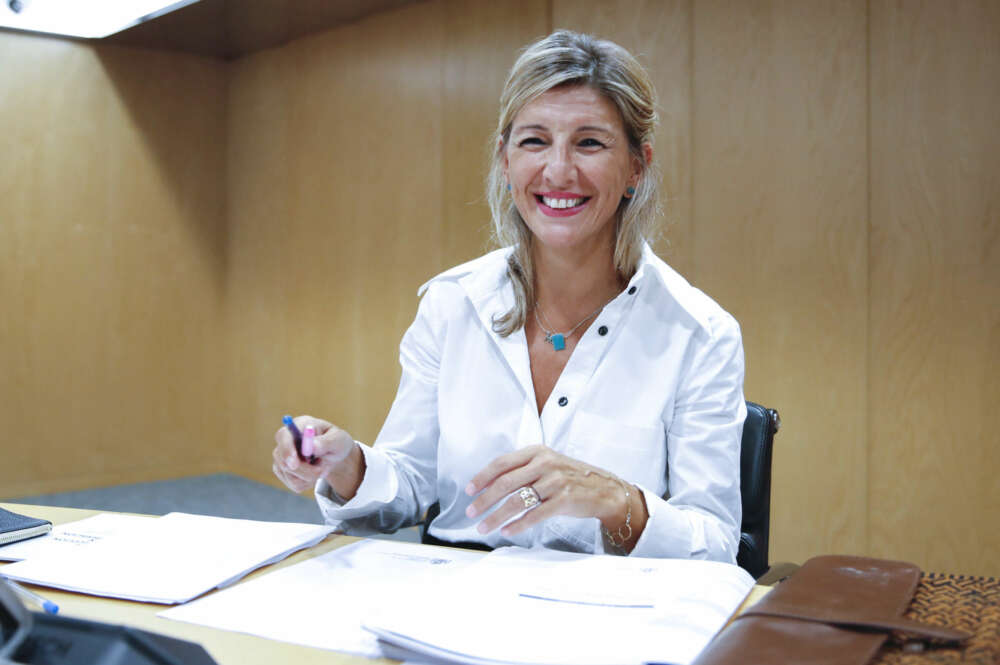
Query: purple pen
x=296 y=434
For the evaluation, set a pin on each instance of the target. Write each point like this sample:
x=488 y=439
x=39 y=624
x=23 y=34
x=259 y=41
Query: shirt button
x=602 y=331
x=563 y=401
x=631 y=291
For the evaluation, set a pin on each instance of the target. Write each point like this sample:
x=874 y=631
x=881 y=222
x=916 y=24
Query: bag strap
x=912 y=628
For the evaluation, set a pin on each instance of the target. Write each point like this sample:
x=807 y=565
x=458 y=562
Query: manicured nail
x=470 y=489
x=470 y=512
x=482 y=528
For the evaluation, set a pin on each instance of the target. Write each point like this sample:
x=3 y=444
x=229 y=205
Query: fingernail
x=470 y=512
x=482 y=528
x=470 y=489
x=290 y=462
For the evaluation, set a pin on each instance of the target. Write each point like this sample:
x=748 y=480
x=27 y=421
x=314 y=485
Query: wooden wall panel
x=112 y=236
x=658 y=33
x=356 y=174
x=854 y=235
x=935 y=299
x=779 y=239
x=343 y=130
x=258 y=326
x=481 y=42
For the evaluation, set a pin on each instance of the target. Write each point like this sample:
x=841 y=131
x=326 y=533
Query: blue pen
x=33 y=597
x=297 y=437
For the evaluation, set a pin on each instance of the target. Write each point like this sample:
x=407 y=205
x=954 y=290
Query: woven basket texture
x=958 y=601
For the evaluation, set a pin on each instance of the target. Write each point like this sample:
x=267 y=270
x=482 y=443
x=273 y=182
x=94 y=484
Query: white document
x=543 y=607
x=73 y=535
x=170 y=559
x=321 y=602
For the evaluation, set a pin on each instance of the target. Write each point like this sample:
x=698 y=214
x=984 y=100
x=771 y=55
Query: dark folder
x=15 y=527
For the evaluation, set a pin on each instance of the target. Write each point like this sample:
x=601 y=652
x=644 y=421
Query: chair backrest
x=755 y=487
x=755 y=490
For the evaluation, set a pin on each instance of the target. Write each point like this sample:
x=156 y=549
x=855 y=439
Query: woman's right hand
x=332 y=447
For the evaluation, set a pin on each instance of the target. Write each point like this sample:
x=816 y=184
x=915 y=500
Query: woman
x=569 y=390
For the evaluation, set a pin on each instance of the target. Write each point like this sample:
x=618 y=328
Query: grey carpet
x=222 y=495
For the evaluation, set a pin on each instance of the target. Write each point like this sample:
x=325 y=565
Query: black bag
x=36 y=638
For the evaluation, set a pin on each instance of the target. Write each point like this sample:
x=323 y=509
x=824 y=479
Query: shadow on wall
x=174 y=102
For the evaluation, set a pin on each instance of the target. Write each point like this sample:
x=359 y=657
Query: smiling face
x=568 y=164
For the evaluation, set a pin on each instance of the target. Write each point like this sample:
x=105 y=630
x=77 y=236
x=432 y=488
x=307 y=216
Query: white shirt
x=653 y=393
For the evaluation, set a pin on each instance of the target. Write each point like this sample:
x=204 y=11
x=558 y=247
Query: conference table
x=226 y=647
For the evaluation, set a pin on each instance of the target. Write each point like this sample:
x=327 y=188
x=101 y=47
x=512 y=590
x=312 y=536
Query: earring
x=508 y=186
x=629 y=192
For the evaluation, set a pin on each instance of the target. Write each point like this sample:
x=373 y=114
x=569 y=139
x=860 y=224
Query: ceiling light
x=90 y=19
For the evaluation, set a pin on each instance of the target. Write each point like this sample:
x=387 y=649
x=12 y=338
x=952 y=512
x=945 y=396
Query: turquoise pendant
x=558 y=341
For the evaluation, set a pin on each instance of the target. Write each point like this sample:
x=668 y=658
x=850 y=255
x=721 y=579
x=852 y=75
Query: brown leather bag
x=834 y=609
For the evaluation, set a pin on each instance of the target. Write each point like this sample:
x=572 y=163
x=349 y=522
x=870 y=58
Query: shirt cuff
x=667 y=533
x=378 y=487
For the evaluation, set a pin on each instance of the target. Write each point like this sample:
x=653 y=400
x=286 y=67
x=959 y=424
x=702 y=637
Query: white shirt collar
x=486 y=276
x=653 y=269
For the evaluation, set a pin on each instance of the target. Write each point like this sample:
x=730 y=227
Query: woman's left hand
x=565 y=486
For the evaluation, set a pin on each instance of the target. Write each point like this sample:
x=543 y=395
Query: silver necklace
x=557 y=339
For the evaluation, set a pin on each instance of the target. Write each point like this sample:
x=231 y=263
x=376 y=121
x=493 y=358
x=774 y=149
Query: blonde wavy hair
x=567 y=58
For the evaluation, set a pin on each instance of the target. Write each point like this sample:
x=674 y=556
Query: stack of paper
x=543 y=607
x=322 y=601
x=170 y=559
x=510 y=606
x=73 y=535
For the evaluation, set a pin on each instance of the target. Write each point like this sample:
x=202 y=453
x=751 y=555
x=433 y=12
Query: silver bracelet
x=623 y=537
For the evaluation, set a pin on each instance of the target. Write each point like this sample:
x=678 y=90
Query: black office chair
x=755 y=489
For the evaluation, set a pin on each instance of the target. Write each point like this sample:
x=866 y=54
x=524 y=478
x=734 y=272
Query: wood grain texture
x=356 y=160
x=935 y=300
x=779 y=240
x=112 y=231
x=658 y=33
x=190 y=249
x=334 y=188
x=481 y=42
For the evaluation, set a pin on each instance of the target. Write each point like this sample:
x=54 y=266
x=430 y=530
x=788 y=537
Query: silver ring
x=529 y=496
